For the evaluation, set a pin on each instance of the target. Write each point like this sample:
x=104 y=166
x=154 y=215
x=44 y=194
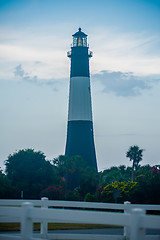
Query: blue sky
x=125 y=75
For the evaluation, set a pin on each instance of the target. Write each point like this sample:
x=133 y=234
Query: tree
x=78 y=176
x=121 y=173
x=135 y=154
x=148 y=187
x=30 y=172
x=7 y=190
x=66 y=164
x=71 y=169
x=89 y=181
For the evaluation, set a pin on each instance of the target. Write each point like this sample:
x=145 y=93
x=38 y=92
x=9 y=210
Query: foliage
x=145 y=188
x=77 y=175
x=71 y=169
x=70 y=179
x=121 y=173
x=96 y=197
x=89 y=181
x=54 y=193
x=90 y=198
x=7 y=190
x=99 y=193
x=126 y=190
x=73 y=195
x=148 y=187
x=60 y=193
x=69 y=165
x=135 y=154
x=29 y=171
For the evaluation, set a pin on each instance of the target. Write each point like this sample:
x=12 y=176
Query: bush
x=126 y=190
x=73 y=195
x=90 y=198
x=53 y=193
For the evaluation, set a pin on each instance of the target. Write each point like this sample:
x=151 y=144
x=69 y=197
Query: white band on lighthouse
x=80 y=99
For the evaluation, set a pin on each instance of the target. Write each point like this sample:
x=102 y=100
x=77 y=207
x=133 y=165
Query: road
x=105 y=231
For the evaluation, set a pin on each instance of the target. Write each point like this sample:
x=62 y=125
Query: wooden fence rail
x=72 y=204
x=133 y=218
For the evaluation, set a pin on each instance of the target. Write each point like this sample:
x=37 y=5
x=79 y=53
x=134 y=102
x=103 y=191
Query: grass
x=54 y=226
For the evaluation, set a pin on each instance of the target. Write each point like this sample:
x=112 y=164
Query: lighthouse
x=80 y=136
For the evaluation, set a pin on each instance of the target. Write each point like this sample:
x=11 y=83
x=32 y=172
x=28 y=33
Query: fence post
x=136 y=231
x=126 y=210
x=44 y=223
x=26 y=221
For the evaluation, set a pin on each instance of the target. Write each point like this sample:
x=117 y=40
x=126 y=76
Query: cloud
x=125 y=52
x=20 y=73
x=37 y=62
x=24 y=76
x=124 y=84
x=113 y=50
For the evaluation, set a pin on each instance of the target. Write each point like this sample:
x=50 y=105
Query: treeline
x=29 y=175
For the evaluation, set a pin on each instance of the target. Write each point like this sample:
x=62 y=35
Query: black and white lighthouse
x=80 y=138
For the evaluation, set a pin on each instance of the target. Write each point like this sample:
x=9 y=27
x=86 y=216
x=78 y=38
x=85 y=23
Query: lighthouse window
x=74 y=42
x=85 y=42
x=79 y=41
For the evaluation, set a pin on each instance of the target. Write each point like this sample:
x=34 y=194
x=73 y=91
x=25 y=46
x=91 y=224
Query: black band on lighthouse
x=79 y=62
x=80 y=141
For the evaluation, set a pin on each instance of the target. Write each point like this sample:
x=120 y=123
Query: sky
x=124 y=36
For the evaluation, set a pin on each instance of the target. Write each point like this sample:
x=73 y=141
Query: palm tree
x=135 y=154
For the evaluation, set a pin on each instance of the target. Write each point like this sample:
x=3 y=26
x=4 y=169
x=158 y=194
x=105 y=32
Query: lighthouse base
x=80 y=141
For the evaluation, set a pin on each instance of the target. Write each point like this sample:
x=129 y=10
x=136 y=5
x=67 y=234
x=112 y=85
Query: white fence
x=132 y=218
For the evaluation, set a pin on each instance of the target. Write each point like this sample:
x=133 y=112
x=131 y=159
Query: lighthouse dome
x=79 y=34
